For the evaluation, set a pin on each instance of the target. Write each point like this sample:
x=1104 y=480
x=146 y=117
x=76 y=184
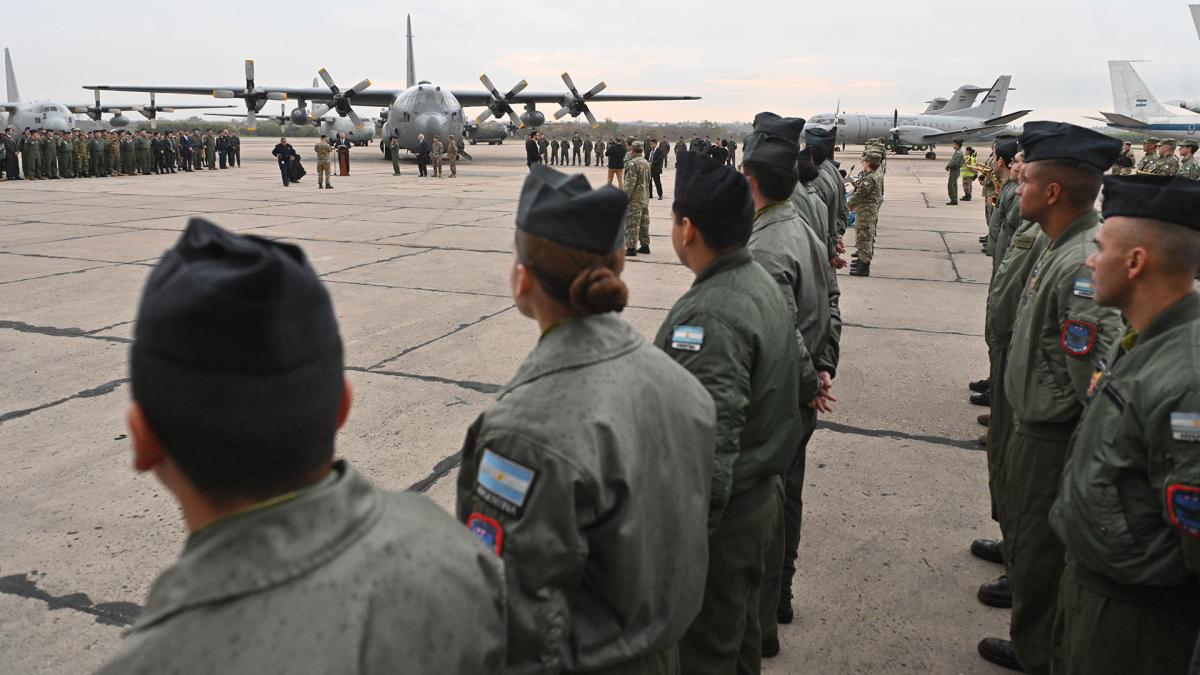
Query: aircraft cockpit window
x=841 y=121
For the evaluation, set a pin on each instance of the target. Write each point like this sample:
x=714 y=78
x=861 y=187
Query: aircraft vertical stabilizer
x=411 y=77
x=1196 y=17
x=14 y=96
x=1131 y=96
x=993 y=102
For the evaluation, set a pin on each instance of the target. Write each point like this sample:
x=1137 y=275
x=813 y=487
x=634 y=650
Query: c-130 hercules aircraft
x=420 y=108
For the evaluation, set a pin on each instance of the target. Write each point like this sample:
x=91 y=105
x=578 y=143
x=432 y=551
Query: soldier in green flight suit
x=795 y=257
x=96 y=154
x=49 y=166
x=1058 y=337
x=31 y=155
x=1189 y=167
x=141 y=145
x=294 y=561
x=953 y=169
x=1128 y=511
x=556 y=477
x=734 y=332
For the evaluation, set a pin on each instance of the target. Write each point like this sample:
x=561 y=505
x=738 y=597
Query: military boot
x=1000 y=652
x=996 y=593
x=860 y=269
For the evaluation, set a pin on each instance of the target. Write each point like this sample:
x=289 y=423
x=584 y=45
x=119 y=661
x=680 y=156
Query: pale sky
x=793 y=58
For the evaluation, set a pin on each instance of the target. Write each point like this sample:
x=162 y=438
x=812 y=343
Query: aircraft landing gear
x=931 y=155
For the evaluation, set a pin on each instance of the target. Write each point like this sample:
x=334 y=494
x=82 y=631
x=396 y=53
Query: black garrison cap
x=805 y=153
x=226 y=303
x=1007 y=148
x=566 y=210
x=705 y=186
x=818 y=136
x=774 y=141
x=1063 y=141
x=1170 y=199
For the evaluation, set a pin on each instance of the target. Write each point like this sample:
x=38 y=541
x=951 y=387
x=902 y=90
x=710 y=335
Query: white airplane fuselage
x=49 y=115
x=1179 y=127
x=912 y=129
x=427 y=109
x=331 y=126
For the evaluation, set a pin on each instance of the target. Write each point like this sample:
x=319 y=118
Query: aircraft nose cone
x=432 y=125
x=55 y=124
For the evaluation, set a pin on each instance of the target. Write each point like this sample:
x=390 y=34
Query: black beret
x=566 y=210
x=774 y=141
x=1007 y=149
x=1170 y=199
x=1063 y=141
x=704 y=185
x=226 y=303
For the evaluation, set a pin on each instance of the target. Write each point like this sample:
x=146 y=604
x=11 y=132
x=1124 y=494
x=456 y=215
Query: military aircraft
x=978 y=123
x=420 y=108
x=56 y=116
x=964 y=97
x=1136 y=108
x=329 y=125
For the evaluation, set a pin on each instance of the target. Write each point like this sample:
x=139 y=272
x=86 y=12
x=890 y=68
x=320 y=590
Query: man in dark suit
x=285 y=154
x=422 y=156
x=156 y=153
x=658 y=160
x=11 y=166
x=185 y=150
x=532 y=154
x=222 y=148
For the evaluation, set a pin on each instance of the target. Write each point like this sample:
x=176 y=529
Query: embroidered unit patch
x=1078 y=337
x=1185 y=426
x=487 y=530
x=687 y=338
x=1085 y=288
x=503 y=483
x=1183 y=505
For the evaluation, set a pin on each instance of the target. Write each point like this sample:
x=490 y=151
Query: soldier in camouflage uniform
x=1188 y=166
x=637 y=186
x=323 y=148
x=82 y=160
x=66 y=156
x=1149 y=155
x=1166 y=164
x=49 y=155
x=865 y=203
x=989 y=186
x=113 y=154
x=435 y=154
x=452 y=155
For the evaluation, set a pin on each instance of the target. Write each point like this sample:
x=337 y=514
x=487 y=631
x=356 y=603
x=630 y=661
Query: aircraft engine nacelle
x=533 y=118
x=298 y=116
x=119 y=120
x=913 y=135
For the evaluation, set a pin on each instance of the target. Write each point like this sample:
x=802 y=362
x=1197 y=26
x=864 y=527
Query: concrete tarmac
x=418 y=270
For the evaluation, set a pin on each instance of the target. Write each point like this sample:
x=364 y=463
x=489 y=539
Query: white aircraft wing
x=10 y=106
x=1123 y=120
x=369 y=97
x=975 y=133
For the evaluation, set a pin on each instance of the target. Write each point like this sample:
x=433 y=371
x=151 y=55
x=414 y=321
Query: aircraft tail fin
x=14 y=95
x=1131 y=96
x=1196 y=17
x=993 y=101
x=411 y=76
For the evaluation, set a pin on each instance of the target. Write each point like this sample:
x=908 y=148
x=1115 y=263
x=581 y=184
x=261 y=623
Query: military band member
x=293 y=561
x=555 y=476
x=1128 y=511
x=1059 y=335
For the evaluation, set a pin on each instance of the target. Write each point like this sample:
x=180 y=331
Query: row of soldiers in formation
x=1159 y=159
x=578 y=150
x=1093 y=428
x=45 y=154
x=548 y=568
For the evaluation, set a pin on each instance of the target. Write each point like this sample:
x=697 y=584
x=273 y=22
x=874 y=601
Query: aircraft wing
x=1005 y=119
x=982 y=132
x=1122 y=120
x=481 y=98
x=368 y=97
x=10 y=106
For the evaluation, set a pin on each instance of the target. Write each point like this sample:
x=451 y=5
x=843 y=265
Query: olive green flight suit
x=96 y=155
x=1058 y=338
x=734 y=332
x=590 y=477
x=31 y=157
x=953 y=169
x=338 y=578
x=1004 y=294
x=49 y=167
x=66 y=157
x=1128 y=511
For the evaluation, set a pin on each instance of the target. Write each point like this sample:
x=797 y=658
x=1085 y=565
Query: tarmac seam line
x=461 y=327
x=106 y=388
x=889 y=433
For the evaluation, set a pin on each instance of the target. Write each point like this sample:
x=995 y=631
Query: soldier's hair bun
x=598 y=290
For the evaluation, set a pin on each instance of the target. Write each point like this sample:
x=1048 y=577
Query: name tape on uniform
x=503 y=483
x=687 y=338
x=1185 y=426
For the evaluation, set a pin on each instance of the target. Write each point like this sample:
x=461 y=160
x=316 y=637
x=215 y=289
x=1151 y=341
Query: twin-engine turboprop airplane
x=420 y=108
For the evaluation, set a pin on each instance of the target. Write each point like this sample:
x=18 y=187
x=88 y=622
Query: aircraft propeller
x=895 y=128
x=341 y=99
x=255 y=97
x=151 y=111
x=499 y=105
x=96 y=112
x=576 y=104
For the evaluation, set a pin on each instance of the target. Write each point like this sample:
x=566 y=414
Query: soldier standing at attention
x=223 y=149
x=235 y=149
x=532 y=154
x=113 y=144
x=128 y=167
x=970 y=161
x=1128 y=511
x=1124 y=165
x=543 y=146
x=554 y=152
x=733 y=331
x=865 y=203
x=241 y=428
x=1188 y=166
x=576 y=148
x=169 y=147
x=323 y=150
x=587 y=151
x=96 y=154
x=82 y=161
x=210 y=150
x=66 y=156
x=953 y=167
x=1149 y=155
x=680 y=148
x=555 y=476
x=49 y=155
x=394 y=151
x=600 y=158
x=1166 y=164
x=1059 y=335
x=732 y=148
x=197 y=149
x=637 y=186
x=452 y=155
x=437 y=151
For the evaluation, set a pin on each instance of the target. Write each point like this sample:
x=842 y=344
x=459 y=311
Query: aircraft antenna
x=412 y=68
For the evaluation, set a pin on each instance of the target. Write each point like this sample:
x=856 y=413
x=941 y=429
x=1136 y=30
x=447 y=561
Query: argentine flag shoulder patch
x=503 y=483
x=1085 y=287
x=1185 y=426
x=687 y=338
